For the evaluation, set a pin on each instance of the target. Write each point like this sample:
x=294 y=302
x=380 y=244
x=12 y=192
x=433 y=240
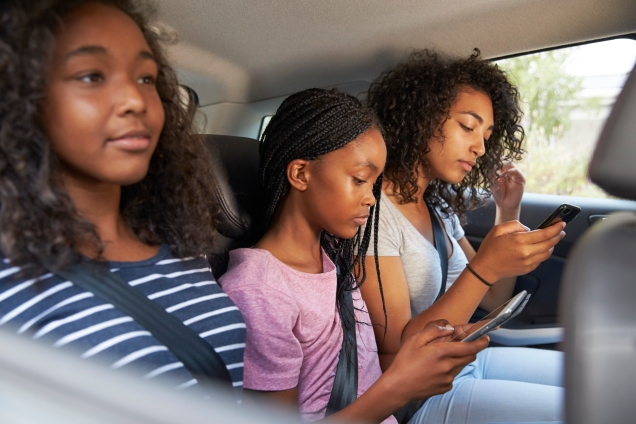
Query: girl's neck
x=99 y=203
x=293 y=240
x=392 y=191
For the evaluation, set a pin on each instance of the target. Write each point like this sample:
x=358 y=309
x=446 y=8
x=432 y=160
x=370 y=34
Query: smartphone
x=496 y=318
x=564 y=213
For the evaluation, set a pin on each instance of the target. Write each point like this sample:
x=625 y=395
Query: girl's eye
x=91 y=78
x=358 y=181
x=148 y=79
x=468 y=129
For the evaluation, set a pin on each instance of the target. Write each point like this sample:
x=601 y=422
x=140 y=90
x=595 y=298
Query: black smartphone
x=564 y=213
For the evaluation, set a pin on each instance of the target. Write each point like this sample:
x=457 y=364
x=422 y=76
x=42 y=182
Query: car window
x=566 y=96
x=264 y=123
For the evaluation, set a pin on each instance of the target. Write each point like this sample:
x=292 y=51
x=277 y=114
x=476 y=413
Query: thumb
x=511 y=227
x=434 y=330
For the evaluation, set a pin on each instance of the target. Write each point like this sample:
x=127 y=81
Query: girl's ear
x=298 y=174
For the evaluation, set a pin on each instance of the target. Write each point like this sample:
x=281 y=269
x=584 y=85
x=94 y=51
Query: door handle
x=593 y=218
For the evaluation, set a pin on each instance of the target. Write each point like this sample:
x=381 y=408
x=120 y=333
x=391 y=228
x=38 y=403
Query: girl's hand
x=510 y=249
x=507 y=187
x=426 y=365
x=460 y=331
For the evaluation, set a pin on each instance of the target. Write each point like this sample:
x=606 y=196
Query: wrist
x=397 y=394
x=483 y=270
x=479 y=277
x=505 y=214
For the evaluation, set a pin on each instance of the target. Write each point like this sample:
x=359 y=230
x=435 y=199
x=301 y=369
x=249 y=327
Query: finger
x=461 y=331
x=463 y=327
x=506 y=165
x=510 y=227
x=548 y=244
x=439 y=322
x=538 y=236
x=463 y=349
x=479 y=344
x=434 y=330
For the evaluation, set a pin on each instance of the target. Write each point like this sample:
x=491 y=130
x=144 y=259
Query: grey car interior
x=43 y=385
x=243 y=57
x=599 y=286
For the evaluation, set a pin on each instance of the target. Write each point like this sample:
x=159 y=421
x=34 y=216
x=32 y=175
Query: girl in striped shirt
x=98 y=159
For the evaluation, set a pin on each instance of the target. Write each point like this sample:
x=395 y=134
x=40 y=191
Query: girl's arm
x=508 y=250
x=507 y=194
x=421 y=369
x=500 y=292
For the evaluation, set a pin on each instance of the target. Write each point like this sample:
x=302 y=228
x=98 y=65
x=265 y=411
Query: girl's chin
x=344 y=233
x=454 y=179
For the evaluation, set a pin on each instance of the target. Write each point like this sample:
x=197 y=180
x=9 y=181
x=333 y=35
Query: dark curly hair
x=307 y=125
x=38 y=220
x=413 y=101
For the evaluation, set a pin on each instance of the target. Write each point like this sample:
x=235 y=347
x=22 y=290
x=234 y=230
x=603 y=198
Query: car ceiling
x=243 y=51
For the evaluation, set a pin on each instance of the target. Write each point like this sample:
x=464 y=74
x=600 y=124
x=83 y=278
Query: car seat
x=598 y=297
x=237 y=192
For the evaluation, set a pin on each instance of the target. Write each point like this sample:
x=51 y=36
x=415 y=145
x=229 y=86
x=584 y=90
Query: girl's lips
x=466 y=165
x=131 y=144
x=361 y=220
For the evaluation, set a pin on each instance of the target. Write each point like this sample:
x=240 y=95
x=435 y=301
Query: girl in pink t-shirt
x=322 y=157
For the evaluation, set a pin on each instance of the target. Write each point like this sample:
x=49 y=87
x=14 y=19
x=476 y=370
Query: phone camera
x=566 y=211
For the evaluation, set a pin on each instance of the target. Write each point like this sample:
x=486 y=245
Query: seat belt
x=404 y=414
x=345 y=385
x=197 y=355
x=440 y=246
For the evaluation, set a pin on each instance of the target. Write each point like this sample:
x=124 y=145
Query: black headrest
x=235 y=169
x=612 y=166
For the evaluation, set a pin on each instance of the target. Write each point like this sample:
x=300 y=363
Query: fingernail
x=448 y=327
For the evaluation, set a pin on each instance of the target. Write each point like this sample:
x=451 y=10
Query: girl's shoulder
x=248 y=267
x=256 y=273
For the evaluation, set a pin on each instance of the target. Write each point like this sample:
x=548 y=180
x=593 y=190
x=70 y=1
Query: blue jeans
x=503 y=385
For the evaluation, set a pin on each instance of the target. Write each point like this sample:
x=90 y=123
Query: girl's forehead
x=98 y=24
x=368 y=150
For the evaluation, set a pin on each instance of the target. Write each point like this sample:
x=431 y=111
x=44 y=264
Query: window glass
x=264 y=123
x=566 y=95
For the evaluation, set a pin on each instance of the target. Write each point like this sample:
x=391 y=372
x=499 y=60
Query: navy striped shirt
x=51 y=309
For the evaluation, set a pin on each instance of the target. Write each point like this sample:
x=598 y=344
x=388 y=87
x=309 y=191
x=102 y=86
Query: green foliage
x=549 y=95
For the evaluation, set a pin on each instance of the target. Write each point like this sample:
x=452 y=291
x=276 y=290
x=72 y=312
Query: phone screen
x=509 y=308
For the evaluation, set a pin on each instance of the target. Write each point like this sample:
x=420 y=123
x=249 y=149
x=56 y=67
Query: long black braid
x=307 y=125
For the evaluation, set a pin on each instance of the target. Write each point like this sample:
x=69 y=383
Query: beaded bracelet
x=478 y=276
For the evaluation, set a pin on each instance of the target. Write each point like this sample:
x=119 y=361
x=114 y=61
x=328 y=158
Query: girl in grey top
x=452 y=128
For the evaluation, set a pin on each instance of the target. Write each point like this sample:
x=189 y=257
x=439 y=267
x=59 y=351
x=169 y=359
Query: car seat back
x=598 y=295
x=237 y=192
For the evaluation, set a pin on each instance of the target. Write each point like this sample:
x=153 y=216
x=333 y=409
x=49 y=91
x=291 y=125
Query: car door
x=540 y=314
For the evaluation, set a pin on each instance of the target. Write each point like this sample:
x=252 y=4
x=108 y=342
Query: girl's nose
x=130 y=99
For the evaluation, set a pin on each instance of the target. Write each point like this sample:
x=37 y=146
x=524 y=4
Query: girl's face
x=470 y=124
x=338 y=193
x=102 y=112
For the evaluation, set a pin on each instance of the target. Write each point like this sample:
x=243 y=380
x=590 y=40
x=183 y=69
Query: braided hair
x=306 y=126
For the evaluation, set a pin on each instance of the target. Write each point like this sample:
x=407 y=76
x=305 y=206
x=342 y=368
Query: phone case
x=565 y=213
x=513 y=309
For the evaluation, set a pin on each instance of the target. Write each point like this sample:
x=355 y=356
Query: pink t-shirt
x=294 y=334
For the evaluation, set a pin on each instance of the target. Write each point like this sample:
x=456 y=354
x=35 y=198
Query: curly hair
x=413 y=101
x=307 y=125
x=38 y=220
